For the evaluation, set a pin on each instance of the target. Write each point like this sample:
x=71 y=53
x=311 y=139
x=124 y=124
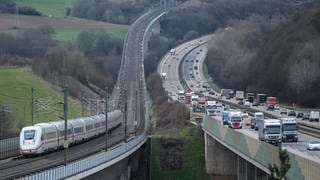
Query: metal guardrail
x=9 y=147
x=77 y=167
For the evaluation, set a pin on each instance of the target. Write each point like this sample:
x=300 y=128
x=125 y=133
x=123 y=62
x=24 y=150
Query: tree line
x=277 y=56
x=91 y=61
x=9 y=6
x=110 y=11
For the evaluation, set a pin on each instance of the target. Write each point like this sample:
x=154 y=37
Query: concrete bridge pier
x=222 y=163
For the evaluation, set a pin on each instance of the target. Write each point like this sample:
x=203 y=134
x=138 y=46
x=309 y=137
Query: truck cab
x=181 y=95
x=235 y=120
x=289 y=127
x=270 y=131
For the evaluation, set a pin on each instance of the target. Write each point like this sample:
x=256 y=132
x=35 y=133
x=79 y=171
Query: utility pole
x=125 y=117
x=32 y=105
x=136 y=115
x=106 y=114
x=82 y=103
x=65 y=113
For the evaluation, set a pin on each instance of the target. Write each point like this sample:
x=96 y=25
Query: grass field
x=67 y=35
x=15 y=91
x=193 y=157
x=55 y=8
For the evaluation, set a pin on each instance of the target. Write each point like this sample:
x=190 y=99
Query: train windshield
x=29 y=134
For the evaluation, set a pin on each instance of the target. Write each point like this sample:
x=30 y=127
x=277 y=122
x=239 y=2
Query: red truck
x=201 y=105
x=187 y=98
x=271 y=101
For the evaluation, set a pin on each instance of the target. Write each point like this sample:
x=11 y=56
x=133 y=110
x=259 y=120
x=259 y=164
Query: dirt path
x=8 y=21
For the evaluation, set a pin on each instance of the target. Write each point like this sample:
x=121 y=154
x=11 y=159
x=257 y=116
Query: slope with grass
x=15 y=93
x=185 y=162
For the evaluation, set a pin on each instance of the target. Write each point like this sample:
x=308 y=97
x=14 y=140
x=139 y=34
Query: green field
x=15 y=92
x=55 y=8
x=67 y=35
x=193 y=157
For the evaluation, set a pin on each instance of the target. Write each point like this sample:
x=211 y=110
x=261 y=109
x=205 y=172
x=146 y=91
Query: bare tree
x=305 y=71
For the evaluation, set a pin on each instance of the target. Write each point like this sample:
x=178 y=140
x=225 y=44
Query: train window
x=96 y=125
x=78 y=130
x=69 y=131
x=42 y=137
x=103 y=123
x=89 y=127
x=51 y=135
x=29 y=134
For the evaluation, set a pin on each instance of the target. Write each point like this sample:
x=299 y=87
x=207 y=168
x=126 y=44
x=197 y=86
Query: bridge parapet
x=259 y=153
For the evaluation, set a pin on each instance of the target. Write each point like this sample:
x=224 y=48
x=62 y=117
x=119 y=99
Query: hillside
x=15 y=98
x=288 y=64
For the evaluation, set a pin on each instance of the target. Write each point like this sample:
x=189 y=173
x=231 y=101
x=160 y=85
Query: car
x=247 y=103
x=313 y=144
x=255 y=103
x=247 y=122
x=270 y=107
x=239 y=102
x=211 y=93
x=291 y=113
x=299 y=115
x=283 y=112
x=244 y=115
x=187 y=60
x=305 y=116
x=197 y=60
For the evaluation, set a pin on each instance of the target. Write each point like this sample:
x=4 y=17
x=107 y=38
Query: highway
x=170 y=65
x=195 y=57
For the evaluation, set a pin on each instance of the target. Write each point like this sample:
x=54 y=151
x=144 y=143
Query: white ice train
x=44 y=137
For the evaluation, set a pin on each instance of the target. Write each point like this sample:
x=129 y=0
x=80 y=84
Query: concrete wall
x=134 y=167
x=221 y=163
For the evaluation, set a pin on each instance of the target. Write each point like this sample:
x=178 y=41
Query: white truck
x=211 y=108
x=270 y=130
x=314 y=116
x=255 y=118
x=239 y=95
x=181 y=95
x=289 y=127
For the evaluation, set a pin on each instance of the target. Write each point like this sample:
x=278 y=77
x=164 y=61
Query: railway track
x=21 y=166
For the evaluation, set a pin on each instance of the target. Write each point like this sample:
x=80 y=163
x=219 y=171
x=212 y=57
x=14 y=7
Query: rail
x=81 y=166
